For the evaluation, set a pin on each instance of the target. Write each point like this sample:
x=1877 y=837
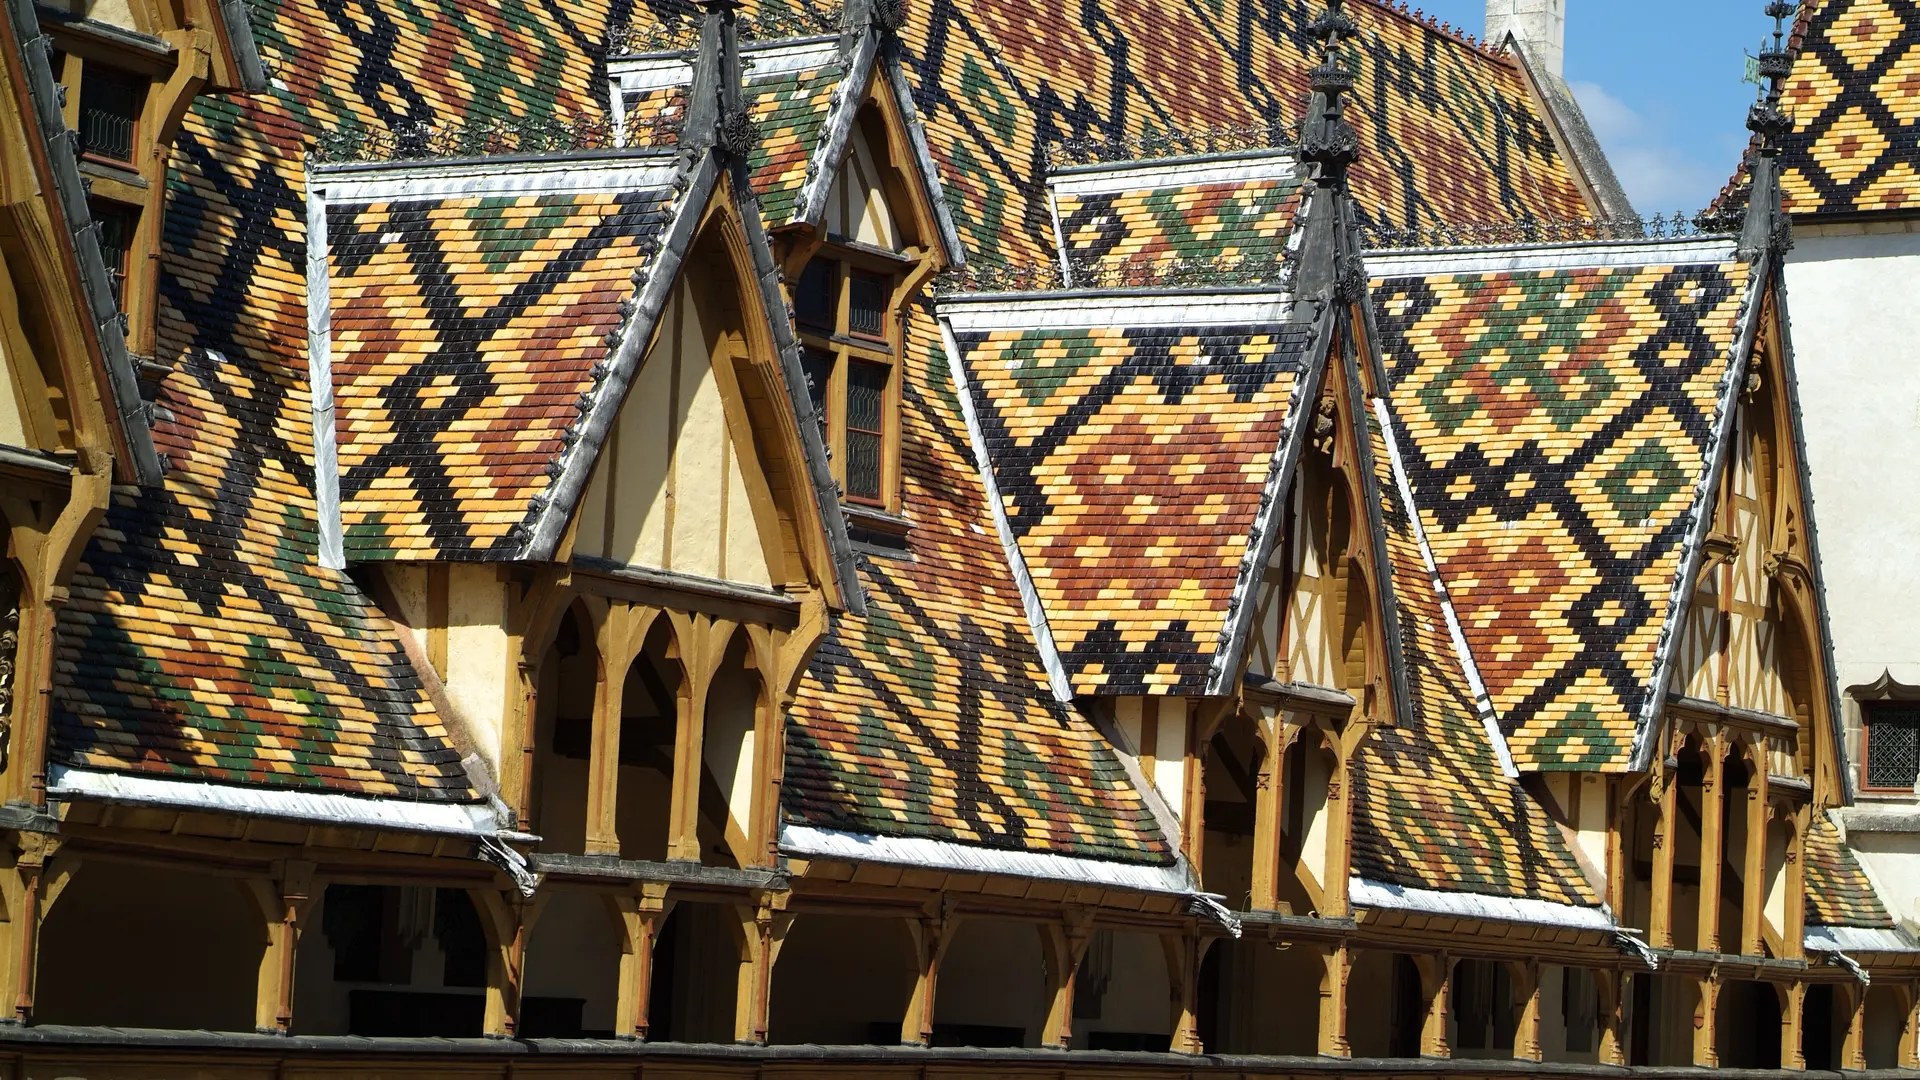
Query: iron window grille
x=1893 y=744
x=866 y=429
x=867 y=306
x=110 y=104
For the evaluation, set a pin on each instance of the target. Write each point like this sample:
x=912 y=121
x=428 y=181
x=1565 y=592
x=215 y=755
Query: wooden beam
x=1706 y=1049
x=1525 y=978
x=1712 y=842
x=1064 y=944
x=1909 y=1025
x=283 y=903
x=641 y=911
x=1336 y=965
x=1666 y=796
x=1269 y=792
x=1436 y=984
x=1853 y=1049
x=1184 y=953
x=1793 y=1002
x=1610 y=994
x=930 y=937
x=1753 y=900
x=689 y=740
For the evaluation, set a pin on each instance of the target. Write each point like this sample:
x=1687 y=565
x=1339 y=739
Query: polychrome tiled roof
x=466 y=332
x=204 y=640
x=1432 y=808
x=1854 y=98
x=792 y=110
x=1838 y=892
x=1553 y=425
x=1130 y=463
x=1160 y=217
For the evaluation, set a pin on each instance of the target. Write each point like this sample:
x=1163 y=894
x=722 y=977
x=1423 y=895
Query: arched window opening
x=1406 y=1007
x=1822 y=1026
x=993 y=986
x=129 y=945
x=842 y=980
x=1888 y=1012
x=649 y=724
x=1260 y=998
x=1569 y=1015
x=1747 y=1026
x=1232 y=764
x=697 y=964
x=391 y=961
x=1481 y=1016
x=572 y=968
x=730 y=756
x=1310 y=768
x=1687 y=828
x=1737 y=786
x=1664 y=1014
x=570 y=673
x=1122 y=995
x=1643 y=823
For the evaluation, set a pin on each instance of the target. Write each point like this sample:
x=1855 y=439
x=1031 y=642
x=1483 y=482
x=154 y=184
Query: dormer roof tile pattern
x=1838 y=892
x=466 y=332
x=1854 y=98
x=1153 y=221
x=1554 y=424
x=791 y=109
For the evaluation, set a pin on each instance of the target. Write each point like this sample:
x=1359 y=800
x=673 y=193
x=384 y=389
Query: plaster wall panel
x=478 y=658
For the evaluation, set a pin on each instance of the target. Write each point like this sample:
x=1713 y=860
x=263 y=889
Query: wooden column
x=689 y=740
x=641 y=913
x=1909 y=1026
x=1712 y=842
x=1339 y=810
x=930 y=937
x=1269 y=798
x=1184 y=952
x=620 y=637
x=1753 y=901
x=1794 y=934
x=283 y=904
x=1436 y=983
x=1610 y=1009
x=506 y=919
x=1793 y=1002
x=1666 y=796
x=1525 y=977
x=1853 y=1050
x=1337 y=965
x=1064 y=944
x=1706 y=1047
x=32 y=885
x=763 y=929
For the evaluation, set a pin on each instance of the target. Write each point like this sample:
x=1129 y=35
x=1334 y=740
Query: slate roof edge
x=1851 y=939
x=1482 y=701
x=326 y=435
x=809 y=841
x=1579 y=255
x=59 y=149
x=1700 y=515
x=1124 y=308
x=1057 y=679
x=547 y=521
x=236 y=17
x=577 y=172
x=936 y=192
x=1105 y=178
x=334 y=809
x=843 y=108
x=1364 y=892
x=1567 y=123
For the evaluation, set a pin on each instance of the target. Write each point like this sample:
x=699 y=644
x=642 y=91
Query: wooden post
x=1909 y=1026
x=1853 y=1051
x=763 y=928
x=1525 y=977
x=1436 y=982
x=1184 y=954
x=1339 y=810
x=689 y=740
x=1794 y=934
x=1268 y=799
x=283 y=905
x=36 y=882
x=1793 y=1008
x=641 y=913
x=1337 y=965
x=1610 y=993
x=1706 y=1049
x=1712 y=842
x=1666 y=795
x=1064 y=944
x=506 y=921
x=621 y=636
x=930 y=937
x=1753 y=900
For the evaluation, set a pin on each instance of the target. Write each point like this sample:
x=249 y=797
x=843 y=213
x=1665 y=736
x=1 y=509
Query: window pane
x=867 y=305
x=813 y=297
x=109 y=103
x=866 y=430
x=1893 y=745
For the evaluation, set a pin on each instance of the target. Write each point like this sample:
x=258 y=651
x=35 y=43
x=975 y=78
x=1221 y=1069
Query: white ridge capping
x=1858 y=939
x=596 y=174
x=464 y=819
x=807 y=841
x=1375 y=894
x=1593 y=255
x=1131 y=308
x=1266 y=165
x=759 y=60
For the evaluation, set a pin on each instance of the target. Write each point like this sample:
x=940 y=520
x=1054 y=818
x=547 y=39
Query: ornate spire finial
x=1327 y=140
x=716 y=109
x=1767 y=228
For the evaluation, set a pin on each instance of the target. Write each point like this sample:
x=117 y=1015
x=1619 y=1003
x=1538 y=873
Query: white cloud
x=1658 y=176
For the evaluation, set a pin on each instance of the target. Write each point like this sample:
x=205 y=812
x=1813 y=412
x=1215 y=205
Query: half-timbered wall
x=1157 y=729
x=857 y=206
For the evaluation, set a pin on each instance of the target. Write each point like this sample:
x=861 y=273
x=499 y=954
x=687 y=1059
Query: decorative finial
x=1767 y=228
x=1327 y=140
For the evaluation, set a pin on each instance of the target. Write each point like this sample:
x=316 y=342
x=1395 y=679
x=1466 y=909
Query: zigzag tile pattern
x=204 y=641
x=1554 y=424
x=792 y=111
x=1130 y=464
x=1854 y=96
x=1838 y=892
x=1248 y=220
x=465 y=335
x=1431 y=807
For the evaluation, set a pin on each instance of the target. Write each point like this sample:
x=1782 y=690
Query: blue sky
x=1660 y=81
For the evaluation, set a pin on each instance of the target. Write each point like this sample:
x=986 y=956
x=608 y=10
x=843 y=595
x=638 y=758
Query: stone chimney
x=1540 y=26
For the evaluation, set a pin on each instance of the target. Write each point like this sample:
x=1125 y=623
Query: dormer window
x=843 y=308
x=116 y=227
x=110 y=103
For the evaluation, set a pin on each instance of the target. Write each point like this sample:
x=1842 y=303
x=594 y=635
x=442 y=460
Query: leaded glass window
x=1893 y=744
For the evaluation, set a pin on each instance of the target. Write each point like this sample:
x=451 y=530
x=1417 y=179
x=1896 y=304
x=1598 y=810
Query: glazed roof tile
x=1554 y=424
x=467 y=331
x=1158 y=217
x=1130 y=463
x=1854 y=98
x=792 y=109
x=1433 y=808
x=1838 y=892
